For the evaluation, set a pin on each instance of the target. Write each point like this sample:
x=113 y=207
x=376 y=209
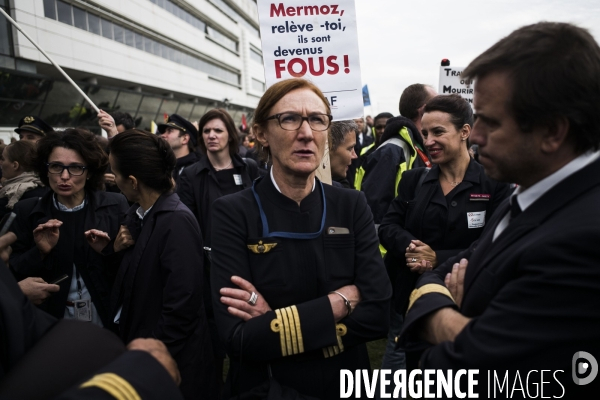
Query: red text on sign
x=315 y=66
x=282 y=11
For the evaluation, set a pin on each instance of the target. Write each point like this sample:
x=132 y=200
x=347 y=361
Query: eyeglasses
x=293 y=122
x=75 y=170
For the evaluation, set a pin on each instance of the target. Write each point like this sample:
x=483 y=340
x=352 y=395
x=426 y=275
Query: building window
x=100 y=26
x=233 y=14
x=258 y=85
x=197 y=23
x=94 y=24
x=64 y=12
x=50 y=9
x=224 y=40
x=255 y=55
x=107 y=28
x=80 y=18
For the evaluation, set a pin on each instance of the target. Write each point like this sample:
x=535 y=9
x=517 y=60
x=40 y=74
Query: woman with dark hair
x=158 y=289
x=298 y=285
x=437 y=212
x=56 y=232
x=221 y=173
x=20 y=182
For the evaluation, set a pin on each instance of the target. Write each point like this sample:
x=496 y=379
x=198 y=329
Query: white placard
x=316 y=41
x=451 y=82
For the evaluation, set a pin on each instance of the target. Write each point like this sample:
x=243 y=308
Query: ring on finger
x=252 y=299
x=413 y=259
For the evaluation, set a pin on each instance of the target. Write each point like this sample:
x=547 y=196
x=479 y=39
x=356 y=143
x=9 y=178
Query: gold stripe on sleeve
x=298 y=329
x=289 y=321
x=287 y=324
x=277 y=326
x=426 y=289
x=286 y=330
x=340 y=330
x=116 y=386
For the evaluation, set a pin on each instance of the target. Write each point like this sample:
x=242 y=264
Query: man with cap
x=32 y=128
x=182 y=136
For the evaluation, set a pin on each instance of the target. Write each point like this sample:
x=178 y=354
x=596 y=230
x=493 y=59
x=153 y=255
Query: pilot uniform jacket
x=299 y=340
x=448 y=224
x=103 y=211
x=532 y=294
x=159 y=286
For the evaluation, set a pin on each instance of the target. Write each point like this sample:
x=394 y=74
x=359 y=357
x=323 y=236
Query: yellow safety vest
x=408 y=164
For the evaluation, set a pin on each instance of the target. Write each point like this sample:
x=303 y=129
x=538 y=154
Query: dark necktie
x=515 y=209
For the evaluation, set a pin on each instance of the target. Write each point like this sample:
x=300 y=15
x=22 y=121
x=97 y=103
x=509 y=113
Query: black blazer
x=104 y=212
x=198 y=188
x=159 y=286
x=533 y=293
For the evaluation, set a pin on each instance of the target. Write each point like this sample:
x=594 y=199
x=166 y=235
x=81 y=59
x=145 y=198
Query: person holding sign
x=298 y=285
x=437 y=212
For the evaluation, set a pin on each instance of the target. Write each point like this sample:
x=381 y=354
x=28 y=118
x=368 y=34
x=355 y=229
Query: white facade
x=89 y=56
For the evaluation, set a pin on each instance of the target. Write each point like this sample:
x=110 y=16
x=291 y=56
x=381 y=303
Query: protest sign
x=315 y=40
x=451 y=82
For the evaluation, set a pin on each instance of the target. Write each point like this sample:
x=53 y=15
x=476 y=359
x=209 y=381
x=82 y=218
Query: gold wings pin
x=261 y=247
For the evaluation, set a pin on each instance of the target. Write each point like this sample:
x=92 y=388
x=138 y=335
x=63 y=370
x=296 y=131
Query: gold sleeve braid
x=340 y=330
x=426 y=289
x=118 y=387
x=287 y=324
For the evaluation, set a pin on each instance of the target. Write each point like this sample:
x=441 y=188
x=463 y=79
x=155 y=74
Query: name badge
x=83 y=310
x=476 y=219
x=238 y=179
x=479 y=197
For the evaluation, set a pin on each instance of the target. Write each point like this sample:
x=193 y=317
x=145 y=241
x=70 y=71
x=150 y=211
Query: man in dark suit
x=527 y=298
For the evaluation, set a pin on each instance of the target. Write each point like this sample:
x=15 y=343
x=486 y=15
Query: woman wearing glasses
x=55 y=231
x=298 y=285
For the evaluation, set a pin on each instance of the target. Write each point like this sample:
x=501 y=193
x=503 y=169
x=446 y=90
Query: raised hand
x=124 y=239
x=107 y=122
x=97 y=239
x=46 y=236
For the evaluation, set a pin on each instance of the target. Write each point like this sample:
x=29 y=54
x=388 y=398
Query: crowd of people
x=200 y=242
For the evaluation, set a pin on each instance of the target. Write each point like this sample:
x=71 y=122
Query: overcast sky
x=402 y=42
